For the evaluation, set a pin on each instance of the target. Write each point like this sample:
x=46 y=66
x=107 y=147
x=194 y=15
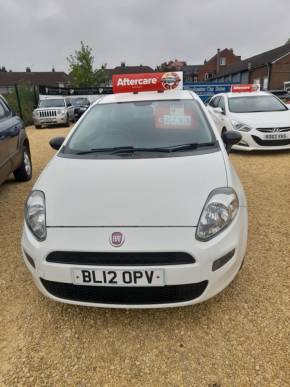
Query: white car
x=262 y=119
x=140 y=207
x=53 y=111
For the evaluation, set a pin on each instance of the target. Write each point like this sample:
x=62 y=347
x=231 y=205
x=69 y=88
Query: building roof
x=190 y=69
x=130 y=70
x=256 y=60
x=52 y=78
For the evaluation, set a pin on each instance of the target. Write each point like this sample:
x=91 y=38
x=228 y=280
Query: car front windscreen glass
x=80 y=101
x=142 y=124
x=255 y=104
x=48 y=103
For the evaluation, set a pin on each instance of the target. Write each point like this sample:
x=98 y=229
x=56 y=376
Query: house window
x=223 y=61
x=206 y=76
x=195 y=79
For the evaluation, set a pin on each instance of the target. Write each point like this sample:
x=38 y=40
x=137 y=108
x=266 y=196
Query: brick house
x=190 y=72
x=48 y=78
x=219 y=62
x=270 y=69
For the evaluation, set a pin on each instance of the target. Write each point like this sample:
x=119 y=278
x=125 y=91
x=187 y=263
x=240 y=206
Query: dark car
x=81 y=104
x=282 y=94
x=14 y=146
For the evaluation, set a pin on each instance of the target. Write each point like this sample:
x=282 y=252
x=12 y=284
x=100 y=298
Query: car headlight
x=35 y=113
x=241 y=126
x=35 y=216
x=60 y=112
x=219 y=211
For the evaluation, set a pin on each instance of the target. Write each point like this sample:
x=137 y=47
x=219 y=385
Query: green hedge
x=27 y=101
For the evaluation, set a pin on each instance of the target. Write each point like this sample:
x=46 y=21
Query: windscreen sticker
x=172 y=116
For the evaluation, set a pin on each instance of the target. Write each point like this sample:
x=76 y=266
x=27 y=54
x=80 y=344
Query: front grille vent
x=47 y=113
x=274 y=130
x=125 y=295
x=261 y=142
x=120 y=258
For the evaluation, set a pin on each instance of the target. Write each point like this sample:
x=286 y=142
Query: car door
x=224 y=118
x=221 y=116
x=14 y=126
x=70 y=109
x=5 y=161
x=213 y=104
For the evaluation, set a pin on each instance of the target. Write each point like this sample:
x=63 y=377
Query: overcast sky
x=42 y=33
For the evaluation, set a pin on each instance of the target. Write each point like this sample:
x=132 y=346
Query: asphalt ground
x=238 y=338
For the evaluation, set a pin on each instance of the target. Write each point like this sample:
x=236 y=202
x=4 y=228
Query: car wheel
x=37 y=126
x=67 y=121
x=24 y=172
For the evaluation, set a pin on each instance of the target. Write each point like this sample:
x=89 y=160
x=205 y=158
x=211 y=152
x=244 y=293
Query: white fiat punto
x=140 y=207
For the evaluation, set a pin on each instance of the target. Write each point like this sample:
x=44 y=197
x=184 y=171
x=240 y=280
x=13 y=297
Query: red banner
x=126 y=83
x=245 y=88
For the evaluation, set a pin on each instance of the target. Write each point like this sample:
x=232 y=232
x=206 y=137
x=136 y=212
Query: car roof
x=247 y=94
x=147 y=96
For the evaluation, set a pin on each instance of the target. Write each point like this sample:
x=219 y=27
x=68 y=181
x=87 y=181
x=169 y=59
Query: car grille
x=120 y=258
x=47 y=113
x=125 y=295
x=261 y=142
x=273 y=130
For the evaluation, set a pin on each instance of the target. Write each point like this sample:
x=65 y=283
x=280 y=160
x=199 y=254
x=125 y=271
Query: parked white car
x=262 y=119
x=140 y=207
x=53 y=111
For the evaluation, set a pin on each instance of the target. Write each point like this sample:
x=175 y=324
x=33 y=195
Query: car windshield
x=141 y=125
x=265 y=103
x=79 y=101
x=47 y=103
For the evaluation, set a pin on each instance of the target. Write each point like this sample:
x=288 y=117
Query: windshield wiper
x=185 y=147
x=121 y=149
x=132 y=149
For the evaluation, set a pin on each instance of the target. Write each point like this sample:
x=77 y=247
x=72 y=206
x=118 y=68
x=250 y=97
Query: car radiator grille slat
x=125 y=295
x=274 y=130
x=120 y=258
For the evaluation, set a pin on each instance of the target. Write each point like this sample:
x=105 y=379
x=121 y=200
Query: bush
x=27 y=101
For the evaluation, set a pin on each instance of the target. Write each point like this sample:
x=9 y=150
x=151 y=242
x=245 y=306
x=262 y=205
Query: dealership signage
x=207 y=90
x=125 y=83
x=245 y=88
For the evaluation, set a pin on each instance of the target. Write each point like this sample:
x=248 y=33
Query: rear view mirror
x=56 y=142
x=231 y=138
x=218 y=110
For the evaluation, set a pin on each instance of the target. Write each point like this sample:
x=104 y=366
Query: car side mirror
x=56 y=142
x=231 y=138
x=218 y=110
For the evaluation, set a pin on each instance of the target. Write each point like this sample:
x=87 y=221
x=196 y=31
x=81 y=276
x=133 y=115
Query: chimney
x=218 y=61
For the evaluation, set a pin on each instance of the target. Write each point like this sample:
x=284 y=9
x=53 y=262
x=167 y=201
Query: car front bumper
x=54 y=280
x=254 y=140
x=58 y=120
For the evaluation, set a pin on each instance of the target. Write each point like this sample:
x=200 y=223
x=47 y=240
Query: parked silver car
x=53 y=111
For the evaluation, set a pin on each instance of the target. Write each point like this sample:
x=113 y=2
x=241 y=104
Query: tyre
x=24 y=171
x=37 y=126
x=67 y=121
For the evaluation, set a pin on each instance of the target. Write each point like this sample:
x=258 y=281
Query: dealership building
x=270 y=69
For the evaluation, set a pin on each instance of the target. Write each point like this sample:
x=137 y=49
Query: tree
x=81 y=66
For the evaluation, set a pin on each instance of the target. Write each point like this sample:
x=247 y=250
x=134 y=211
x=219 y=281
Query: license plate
x=48 y=120
x=102 y=277
x=276 y=136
